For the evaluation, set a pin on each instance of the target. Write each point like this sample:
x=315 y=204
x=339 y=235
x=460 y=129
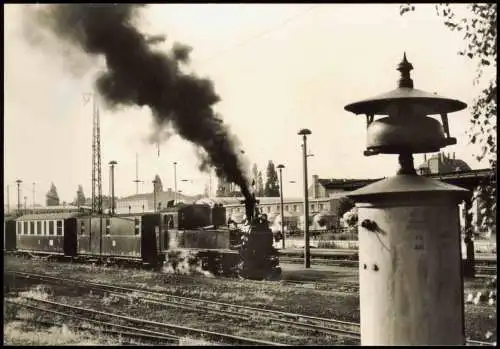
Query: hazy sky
x=277 y=68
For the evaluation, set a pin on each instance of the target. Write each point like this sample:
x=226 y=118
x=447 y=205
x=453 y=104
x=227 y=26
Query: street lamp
x=154 y=196
x=112 y=163
x=281 y=167
x=307 y=255
x=19 y=195
x=175 y=182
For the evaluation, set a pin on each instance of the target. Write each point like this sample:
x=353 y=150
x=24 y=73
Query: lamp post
x=175 y=182
x=19 y=195
x=307 y=253
x=34 y=197
x=154 y=196
x=281 y=167
x=113 y=163
x=410 y=265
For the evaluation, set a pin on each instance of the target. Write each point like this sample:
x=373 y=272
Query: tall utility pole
x=137 y=180
x=96 y=157
x=25 y=208
x=8 y=199
x=307 y=253
x=19 y=195
x=175 y=182
x=113 y=163
x=210 y=184
x=281 y=167
x=34 y=197
x=154 y=196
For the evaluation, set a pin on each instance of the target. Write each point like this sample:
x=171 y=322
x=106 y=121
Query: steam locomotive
x=194 y=234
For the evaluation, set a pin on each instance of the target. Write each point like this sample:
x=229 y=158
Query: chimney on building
x=315 y=187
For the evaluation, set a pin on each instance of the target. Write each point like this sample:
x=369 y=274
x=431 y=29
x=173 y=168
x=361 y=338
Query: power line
x=264 y=33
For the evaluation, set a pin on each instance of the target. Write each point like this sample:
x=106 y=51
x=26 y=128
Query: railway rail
x=139 y=327
x=105 y=326
x=334 y=327
x=305 y=322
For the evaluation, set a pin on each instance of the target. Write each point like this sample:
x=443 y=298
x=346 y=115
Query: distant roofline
x=344 y=183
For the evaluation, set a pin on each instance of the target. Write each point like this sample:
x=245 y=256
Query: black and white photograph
x=243 y=174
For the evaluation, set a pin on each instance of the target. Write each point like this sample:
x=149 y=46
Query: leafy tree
x=52 y=199
x=158 y=185
x=255 y=172
x=259 y=185
x=344 y=205
x=272 y=188
x=80 y=197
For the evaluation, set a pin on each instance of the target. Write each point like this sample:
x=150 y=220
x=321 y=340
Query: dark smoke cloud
x=138 y=75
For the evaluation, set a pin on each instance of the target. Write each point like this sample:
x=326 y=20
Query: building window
x=51 y=227
x=294 y=208
x=321 y=207
x=59 y=227
x=268 y=209
x=286 y=208
x=312 y=207
x=39 y=228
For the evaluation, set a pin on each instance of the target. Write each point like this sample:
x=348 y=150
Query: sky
x=277 y=68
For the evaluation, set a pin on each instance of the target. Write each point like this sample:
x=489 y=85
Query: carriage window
x=108 y=225
x=39 y=228
x=44 y=227
x=51 y=227
x=26 y=229
x=32 y=228
x=136 y=222
x=19 y=228
x=82 y=228
x=59 y=227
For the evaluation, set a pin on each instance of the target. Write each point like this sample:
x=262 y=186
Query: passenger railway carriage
x=51 y=233
x=150 y=238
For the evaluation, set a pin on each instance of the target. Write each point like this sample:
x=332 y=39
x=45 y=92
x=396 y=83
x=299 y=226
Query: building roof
x=460 y=178
x=160 y=196
x=447 y=164
x=274 y=200
x=47 y=216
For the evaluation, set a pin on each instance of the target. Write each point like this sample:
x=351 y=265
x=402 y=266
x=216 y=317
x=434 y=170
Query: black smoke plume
x=138 y=75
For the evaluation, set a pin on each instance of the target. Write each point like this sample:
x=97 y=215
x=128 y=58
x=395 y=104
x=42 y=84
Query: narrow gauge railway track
x=323 y=325
x=305 y=322
x=105 y=326
x=322 y=261
x=331 y=285
x=149 y=329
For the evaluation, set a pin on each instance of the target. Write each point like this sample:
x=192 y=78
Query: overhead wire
x=262 y=34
